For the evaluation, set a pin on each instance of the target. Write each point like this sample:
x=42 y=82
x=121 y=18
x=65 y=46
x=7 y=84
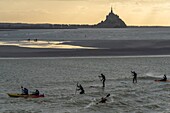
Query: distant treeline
x=59 y=26
x=41 y=26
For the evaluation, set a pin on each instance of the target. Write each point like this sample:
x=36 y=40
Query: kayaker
x=36 y=92
x=164 y=78
x=24 y=91
x=103 y=79
x=80 y=88
x=134 y=76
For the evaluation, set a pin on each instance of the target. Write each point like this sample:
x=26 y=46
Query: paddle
x=76 y=88
x=107 y=95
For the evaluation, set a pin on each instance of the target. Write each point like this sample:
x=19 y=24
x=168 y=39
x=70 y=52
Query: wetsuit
x=103 y=100
x=103 y=79
x=81 y=88
x=134 y=76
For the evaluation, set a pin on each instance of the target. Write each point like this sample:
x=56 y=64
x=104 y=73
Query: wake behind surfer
x=134 y=76
x=79 y=87
x=102 y=78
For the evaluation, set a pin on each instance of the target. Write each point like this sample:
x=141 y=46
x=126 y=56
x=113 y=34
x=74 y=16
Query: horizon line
x=79 y=24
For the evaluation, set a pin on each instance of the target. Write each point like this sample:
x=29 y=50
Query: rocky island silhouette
x=112 y=21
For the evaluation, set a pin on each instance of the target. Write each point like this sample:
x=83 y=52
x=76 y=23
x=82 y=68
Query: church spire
x=111 y=10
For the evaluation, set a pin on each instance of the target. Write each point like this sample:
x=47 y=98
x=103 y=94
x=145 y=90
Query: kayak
x=162 y=81
x=15 y=95
x=25 y=96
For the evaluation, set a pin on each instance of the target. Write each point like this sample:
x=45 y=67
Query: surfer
x=134 y=76
x=164 y=78
x=24 y=91
x=79 y=86
x=103 y=79
x=104 y=99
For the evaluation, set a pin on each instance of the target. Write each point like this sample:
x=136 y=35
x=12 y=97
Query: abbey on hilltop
x=112 y=21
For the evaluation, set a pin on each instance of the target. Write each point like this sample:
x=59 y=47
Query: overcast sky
x=133 y=12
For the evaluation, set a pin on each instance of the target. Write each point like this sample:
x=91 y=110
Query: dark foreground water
x=57 y=78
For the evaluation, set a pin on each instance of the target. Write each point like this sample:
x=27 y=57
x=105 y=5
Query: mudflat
x=103 y=48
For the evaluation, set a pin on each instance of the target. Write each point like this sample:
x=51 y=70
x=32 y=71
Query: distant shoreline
x=13 y=26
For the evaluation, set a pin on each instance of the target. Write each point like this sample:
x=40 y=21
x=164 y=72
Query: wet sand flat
x=105 y=48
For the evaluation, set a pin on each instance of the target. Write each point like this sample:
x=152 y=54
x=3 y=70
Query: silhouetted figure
x=104 y=99
x=134 y=76
x=24 y=91
x=35 y=40
x=80 y=88
x=103 y=79
x=36 y=92
x=164 y=78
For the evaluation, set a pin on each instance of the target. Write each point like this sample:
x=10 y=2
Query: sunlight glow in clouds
x=133 y=12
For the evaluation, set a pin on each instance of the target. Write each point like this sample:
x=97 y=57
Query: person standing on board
x=103 y=79
x=134 y=76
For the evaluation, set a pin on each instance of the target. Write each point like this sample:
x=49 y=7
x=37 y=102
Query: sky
x=132 y=12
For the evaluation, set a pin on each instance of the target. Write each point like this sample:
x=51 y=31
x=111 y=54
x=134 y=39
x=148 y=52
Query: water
x=87 y=34
x=57 y=77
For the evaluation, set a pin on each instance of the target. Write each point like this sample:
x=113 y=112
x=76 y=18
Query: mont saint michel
x=112 y=21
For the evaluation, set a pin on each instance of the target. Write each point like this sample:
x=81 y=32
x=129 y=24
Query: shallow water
x=42 y=44
x=87 y=34
x=57 y=78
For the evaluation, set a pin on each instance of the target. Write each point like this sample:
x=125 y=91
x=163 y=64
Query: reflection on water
x=43 y=44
